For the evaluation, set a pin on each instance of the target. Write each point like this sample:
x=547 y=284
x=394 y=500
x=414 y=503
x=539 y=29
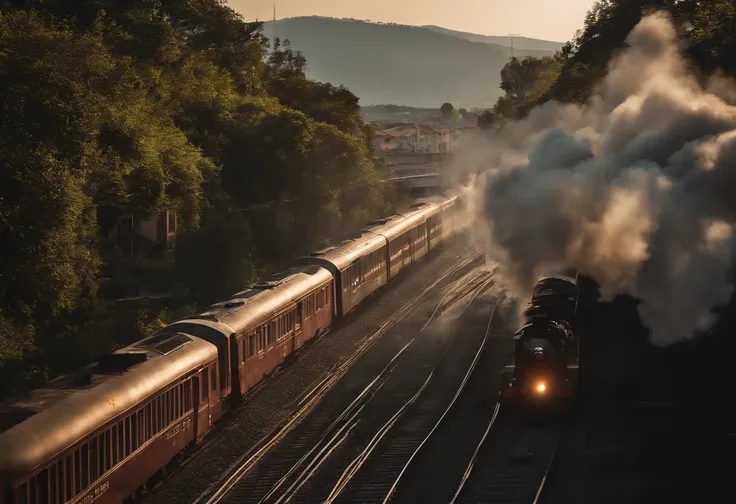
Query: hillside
x=519 y=42
x=407 y=65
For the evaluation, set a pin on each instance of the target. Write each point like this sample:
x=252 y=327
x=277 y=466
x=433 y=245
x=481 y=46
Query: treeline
x=708 y=28
x=112 y=112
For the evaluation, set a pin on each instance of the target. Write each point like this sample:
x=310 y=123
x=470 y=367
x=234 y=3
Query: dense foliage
x=114 y=109
x=708 y=29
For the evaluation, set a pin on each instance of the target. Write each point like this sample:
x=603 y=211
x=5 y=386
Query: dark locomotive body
x=544 y=368
x=98 y=435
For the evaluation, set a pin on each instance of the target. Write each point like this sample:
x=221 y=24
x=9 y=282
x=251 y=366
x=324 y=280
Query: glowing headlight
x=541 y=387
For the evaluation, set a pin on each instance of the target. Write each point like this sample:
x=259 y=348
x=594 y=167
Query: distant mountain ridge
x=406 y=65
x=519 y=42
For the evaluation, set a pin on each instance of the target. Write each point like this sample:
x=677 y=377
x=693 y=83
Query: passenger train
x=544 y=368
x=99 y=434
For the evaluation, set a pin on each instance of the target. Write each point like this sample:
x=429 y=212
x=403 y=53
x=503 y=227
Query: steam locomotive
x=544 y=367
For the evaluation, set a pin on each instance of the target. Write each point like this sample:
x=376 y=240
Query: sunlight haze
x=550 y=20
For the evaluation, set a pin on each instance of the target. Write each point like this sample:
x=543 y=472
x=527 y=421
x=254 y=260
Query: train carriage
x=358 y=266
x=98 y=435
x=270 y=321
x=407 y=240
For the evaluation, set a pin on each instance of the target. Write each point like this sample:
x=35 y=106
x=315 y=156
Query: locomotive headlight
x=541 y=387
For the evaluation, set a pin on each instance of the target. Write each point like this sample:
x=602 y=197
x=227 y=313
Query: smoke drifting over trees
x=634 y=188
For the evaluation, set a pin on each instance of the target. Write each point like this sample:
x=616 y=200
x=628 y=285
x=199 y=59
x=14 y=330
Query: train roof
x=47 y=421
x=410 y=219
x=349 y=251
x=249 y=307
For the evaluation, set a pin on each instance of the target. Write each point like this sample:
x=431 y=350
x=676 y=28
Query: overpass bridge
x=419 y=180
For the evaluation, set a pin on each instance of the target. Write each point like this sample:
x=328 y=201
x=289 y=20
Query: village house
x=416 y=138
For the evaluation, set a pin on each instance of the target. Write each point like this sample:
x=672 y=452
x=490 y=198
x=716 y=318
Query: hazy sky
x=546 y=19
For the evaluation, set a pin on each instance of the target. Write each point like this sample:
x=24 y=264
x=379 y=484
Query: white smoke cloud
x=636 y=189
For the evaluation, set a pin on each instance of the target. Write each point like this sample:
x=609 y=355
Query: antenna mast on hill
x=274 y=23
x=512 y=36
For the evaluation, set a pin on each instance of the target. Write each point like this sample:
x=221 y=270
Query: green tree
x=525 y=82
x=447 y=109
x=111 y=109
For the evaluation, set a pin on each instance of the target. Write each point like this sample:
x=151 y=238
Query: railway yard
x=398 y=404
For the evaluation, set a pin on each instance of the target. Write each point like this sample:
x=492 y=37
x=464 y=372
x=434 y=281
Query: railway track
x=510 y=464
x=367 y=476
x=440 y=283
x=397 y=398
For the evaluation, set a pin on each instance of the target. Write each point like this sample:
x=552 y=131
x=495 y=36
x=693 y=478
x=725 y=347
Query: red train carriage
x=407 y=241
x=440 y=225
x=98 y=435
x=363 y=264
x=258 y=328
x=358 y=266
x=219 y=335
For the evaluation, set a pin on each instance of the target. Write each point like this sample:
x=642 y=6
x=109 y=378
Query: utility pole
x=512 y=36
x=274 y=23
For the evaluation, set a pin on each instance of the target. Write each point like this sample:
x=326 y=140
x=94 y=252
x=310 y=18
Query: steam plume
x=636 y=189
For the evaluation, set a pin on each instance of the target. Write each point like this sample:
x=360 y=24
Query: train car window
x=42 y=484
x=126 y=444
x=165 y=412
x=68 y=473
x=154 y=416
x=205 y=385
x=252 y=345
x=77 y=471
x=33 y=491
x=180 y=399
x=172 y=405
x=108 y=450
x=57 y=482
x=21 y=494
x=141 y=427
x=60 y=480
x=177 y=400
x=133 y=432
x=53 y=491
x=101 y=454
x=149 y=421
x=114 y=432
x=121 y=442
x=213 y=379
x=94 y=460
x=187 y=396
x=84 y=454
